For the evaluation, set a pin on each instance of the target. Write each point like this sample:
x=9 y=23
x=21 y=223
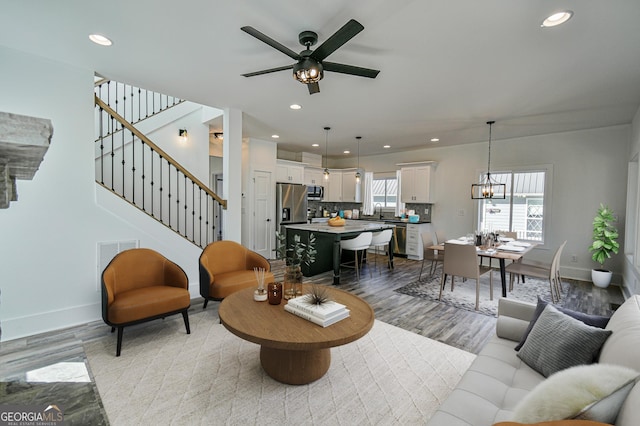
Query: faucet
x=374 y=209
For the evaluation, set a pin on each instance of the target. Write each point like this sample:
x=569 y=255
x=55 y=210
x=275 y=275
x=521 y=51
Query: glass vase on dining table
x=292 y=282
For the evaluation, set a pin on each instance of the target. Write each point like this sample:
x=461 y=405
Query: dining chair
x=434 y=256
x=360 y=243
x=541 y=270
x=440 y=237
x=462 y=261
x=381 y=239
x=542 y=264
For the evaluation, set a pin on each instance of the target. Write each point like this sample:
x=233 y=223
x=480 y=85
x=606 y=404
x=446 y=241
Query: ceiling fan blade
x=251 y=74
x=271 y=42
x=313 y=88
x=350 y=69
x=340 y=37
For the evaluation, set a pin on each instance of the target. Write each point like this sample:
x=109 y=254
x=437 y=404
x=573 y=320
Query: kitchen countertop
x=349 y=226
x=396 y=220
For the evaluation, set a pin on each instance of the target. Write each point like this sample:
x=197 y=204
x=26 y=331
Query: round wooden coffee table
x=293 y=350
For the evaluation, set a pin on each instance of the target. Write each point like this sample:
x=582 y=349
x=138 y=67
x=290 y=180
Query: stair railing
x=130 y=165
x=132 y=103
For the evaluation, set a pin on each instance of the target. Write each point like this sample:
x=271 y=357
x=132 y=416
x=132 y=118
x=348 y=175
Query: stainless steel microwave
x=315 y=192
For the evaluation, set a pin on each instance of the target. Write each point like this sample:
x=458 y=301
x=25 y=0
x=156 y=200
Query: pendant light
x=358 y=175
x=326 y=153
x=488 y=187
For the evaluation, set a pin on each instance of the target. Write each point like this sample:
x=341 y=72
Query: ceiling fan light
x=308 y=71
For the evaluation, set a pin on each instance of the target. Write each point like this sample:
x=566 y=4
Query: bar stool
x=381 y=239
x=361 y=242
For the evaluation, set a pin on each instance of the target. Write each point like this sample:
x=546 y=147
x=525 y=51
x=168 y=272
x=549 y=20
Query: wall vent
x=107 y=251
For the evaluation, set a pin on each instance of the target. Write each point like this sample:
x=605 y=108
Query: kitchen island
x=328 y=242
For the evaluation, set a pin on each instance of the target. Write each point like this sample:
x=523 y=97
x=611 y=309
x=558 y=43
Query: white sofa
x=498 y=379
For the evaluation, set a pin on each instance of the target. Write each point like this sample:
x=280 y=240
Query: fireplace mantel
x=23 y=142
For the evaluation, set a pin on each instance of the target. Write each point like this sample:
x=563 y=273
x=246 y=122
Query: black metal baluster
x=193 y=212
x=113 y=159
x=185 y=206
x=133 y=168
x=206 y=219
x=143 y=175
x=139 y=104
x=177 y=202
x=161 y=188
x=153 y=207
x=200 y=216
x=123 y=162
x=101 y=147
x=132 y=106
x=169 y=200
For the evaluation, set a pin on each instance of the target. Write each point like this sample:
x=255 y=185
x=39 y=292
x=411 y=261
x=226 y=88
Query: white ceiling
x=446 y=67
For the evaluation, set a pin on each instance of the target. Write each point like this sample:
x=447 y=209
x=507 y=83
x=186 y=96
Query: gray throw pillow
x=558 y=341
x=593 y=320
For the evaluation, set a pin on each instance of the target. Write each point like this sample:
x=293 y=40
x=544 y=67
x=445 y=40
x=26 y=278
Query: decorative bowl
x=336 y=222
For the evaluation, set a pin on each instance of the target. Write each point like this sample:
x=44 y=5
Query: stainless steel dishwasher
x=400 y=236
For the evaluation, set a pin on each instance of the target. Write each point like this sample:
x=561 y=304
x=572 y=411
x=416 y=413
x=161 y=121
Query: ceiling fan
x=310 y=67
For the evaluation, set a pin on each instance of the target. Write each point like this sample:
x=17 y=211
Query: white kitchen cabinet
x=313 y=176
x=414 y=248
x=289 y=172
x=417 y=183
x=351 y=190
x=342 y=187
x=333 y=186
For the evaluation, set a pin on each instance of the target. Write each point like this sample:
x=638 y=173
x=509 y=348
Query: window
x=523 y=210
x=385 y=192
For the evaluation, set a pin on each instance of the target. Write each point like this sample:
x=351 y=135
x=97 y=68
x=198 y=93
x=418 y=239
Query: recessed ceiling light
x=295 y=106
x=387 y=146
x=435 y=140
x=557 y=19
x=100 y=39
x=315 y=144
x=275 y=136
x=347 y=152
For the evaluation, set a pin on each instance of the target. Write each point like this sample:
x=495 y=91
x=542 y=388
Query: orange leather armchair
x=141 y=285
x=226 y=267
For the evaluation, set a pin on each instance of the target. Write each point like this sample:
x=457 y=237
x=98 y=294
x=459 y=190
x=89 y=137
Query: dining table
x=507 y=249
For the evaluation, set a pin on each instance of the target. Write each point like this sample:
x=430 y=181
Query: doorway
x=262 y=221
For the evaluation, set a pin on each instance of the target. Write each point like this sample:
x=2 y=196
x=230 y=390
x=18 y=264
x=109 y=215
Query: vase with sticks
x=295 y=254
x=260 y=294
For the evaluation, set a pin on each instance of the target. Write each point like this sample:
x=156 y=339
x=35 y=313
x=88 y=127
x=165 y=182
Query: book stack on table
x=325 y=314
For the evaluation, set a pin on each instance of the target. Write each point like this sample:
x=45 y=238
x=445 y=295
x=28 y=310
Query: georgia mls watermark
x=31 y=415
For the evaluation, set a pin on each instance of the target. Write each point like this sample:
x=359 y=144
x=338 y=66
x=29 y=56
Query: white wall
x=49 y=236
x=631 y=248
x=589 y=167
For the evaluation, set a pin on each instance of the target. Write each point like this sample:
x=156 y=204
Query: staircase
x=136 y=169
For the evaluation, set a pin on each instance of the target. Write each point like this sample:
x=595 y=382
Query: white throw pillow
x=593 y=392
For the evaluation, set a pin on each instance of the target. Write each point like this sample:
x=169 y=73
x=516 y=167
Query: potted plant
x=605 y=236
x=295 y=255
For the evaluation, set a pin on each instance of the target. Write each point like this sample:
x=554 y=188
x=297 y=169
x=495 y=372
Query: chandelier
x=488 y=188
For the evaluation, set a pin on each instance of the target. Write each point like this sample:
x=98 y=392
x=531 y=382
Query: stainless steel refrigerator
x=291 y=204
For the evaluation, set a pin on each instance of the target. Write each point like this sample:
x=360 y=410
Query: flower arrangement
x=298 y=252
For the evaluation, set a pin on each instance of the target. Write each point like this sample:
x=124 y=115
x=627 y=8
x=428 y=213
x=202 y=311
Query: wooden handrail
x=156 y=148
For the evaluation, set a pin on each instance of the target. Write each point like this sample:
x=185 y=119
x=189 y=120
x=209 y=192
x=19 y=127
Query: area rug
x=464 y=294
x=164 y=376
